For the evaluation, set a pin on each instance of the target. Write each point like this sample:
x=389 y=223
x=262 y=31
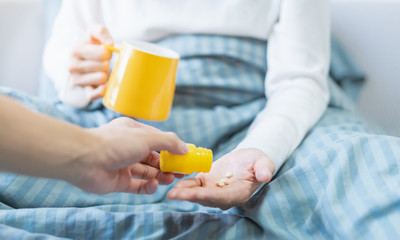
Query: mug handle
x=110 y=48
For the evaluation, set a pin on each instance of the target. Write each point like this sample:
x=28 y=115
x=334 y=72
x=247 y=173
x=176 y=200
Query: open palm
x=249 y=168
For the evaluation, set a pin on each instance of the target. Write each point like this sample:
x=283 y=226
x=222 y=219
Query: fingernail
x=262 y=176
x=185 y=147
x=151 y=188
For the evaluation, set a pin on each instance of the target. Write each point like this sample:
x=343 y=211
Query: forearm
x=287 y=118
x=37 y=145
x=296 y=82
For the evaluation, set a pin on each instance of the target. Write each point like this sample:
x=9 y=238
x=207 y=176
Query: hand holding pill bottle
x=198 y=159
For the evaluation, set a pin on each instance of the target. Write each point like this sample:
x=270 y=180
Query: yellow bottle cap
x=196 y=160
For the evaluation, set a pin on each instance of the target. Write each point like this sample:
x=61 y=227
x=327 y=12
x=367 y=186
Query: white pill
x=228 y=175
x=220 y=183
x=226 y=181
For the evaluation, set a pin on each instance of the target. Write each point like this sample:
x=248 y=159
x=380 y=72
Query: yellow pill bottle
x=198 y=159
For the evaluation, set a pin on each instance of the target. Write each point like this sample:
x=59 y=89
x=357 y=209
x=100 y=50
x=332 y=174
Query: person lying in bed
x=101 y=160
x=252 y=118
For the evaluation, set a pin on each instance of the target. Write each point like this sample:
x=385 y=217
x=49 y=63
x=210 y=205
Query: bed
x=341 y=183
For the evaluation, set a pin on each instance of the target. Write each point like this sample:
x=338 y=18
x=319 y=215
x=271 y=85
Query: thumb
x=263 y=169
x=100 y=35
x=167 y=141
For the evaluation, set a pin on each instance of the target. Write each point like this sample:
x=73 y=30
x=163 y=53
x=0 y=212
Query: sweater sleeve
x=69 y=27
x=296 y=82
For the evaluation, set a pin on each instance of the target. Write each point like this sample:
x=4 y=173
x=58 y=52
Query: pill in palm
x=226 y=182
x=220 y=183
x=228 y=175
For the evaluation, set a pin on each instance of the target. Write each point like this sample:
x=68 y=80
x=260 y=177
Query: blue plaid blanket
x=342 y=181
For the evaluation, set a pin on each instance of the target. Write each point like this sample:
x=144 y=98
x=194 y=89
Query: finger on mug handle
x=100 y=34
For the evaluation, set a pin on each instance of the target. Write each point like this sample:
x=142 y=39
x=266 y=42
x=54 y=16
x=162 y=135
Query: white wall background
x=21 y=43
x=369 y=29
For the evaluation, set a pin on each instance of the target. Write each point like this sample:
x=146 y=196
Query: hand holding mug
x=89 y=64
x=142 y=83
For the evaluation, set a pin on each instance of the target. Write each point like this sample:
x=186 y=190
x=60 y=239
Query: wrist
x=83 y=164
x=74 y=96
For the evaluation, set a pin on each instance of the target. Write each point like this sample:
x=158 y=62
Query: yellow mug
x=142 y=82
